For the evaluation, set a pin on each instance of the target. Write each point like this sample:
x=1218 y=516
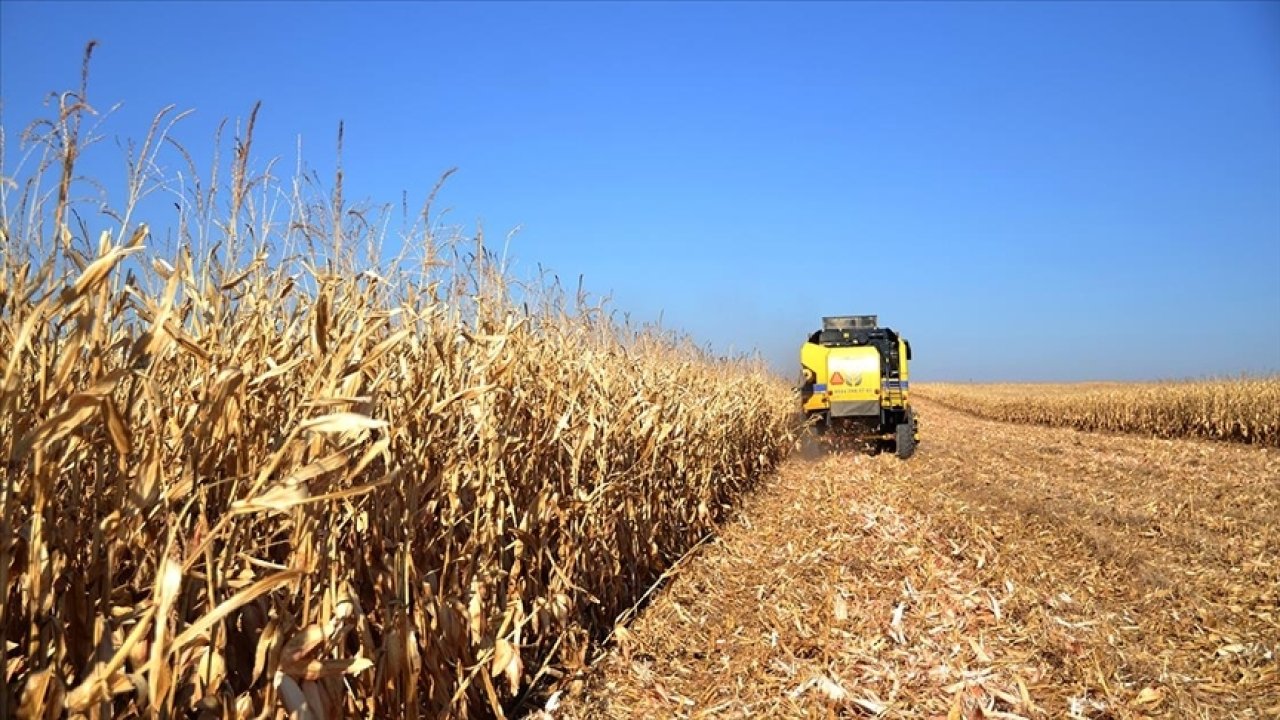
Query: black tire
x=823 y=424
x=905 y=441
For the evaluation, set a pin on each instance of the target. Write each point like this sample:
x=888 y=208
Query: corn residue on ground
x=1006 y=571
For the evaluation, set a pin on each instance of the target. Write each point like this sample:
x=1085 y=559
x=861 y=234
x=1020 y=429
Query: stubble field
x=1005 y=571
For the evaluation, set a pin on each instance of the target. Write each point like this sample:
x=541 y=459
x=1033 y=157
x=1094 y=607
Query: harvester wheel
x=905 y=441
x=823 y=425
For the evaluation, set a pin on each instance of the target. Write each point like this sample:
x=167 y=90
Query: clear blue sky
x=1028 y=191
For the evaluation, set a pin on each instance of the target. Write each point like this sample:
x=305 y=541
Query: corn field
x=251 y=475
x=1244 y=410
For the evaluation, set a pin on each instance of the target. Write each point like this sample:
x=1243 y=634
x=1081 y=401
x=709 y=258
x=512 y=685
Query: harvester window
x=904 y=342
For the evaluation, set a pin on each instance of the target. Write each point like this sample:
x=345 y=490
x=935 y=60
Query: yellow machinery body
x=855 y=377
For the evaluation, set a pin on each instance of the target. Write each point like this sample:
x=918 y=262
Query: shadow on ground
x=813 y=447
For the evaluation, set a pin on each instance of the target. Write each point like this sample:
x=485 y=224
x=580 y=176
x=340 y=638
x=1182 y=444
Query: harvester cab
x=854 y=380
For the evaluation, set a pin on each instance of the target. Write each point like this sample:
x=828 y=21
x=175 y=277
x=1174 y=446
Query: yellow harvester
x=854 y=380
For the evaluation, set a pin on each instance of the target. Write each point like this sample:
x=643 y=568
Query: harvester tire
x=823 y=425
x=905 y=440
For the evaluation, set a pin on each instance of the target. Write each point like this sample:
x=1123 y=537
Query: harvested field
x=1240 y=410
x=1036 y=572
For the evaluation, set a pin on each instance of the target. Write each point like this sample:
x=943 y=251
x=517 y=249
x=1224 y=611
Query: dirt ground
x=1006 y=571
